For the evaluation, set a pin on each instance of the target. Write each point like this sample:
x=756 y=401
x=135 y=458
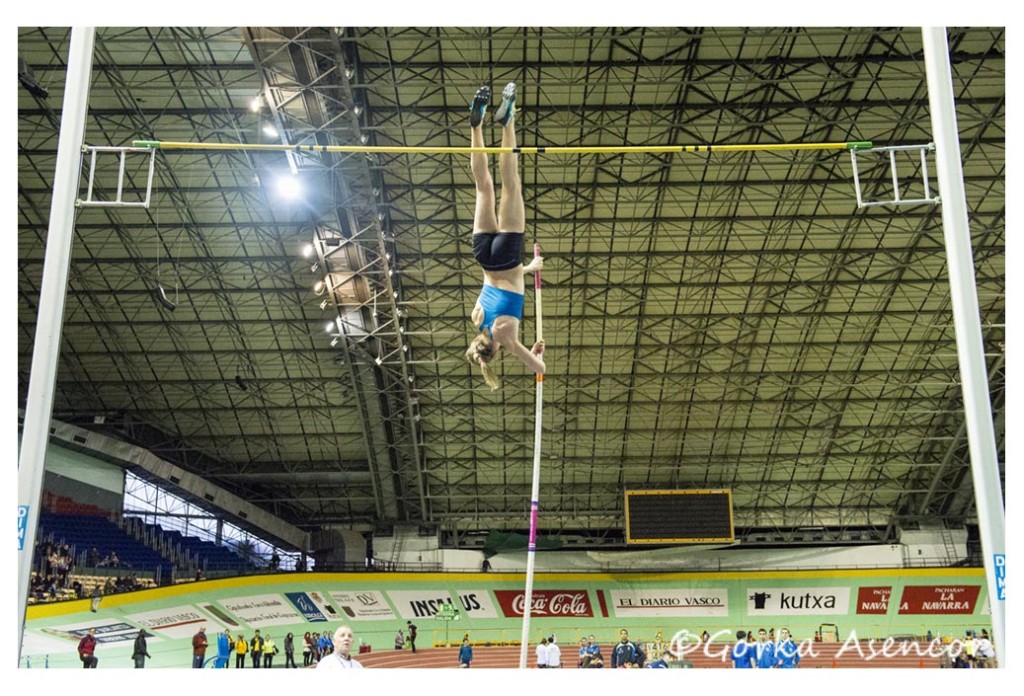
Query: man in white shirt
x=554 y=654
x=984 y=653
x=341 y=658
x=542 y=654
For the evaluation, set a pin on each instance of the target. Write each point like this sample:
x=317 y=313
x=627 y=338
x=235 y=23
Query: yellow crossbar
x=638 y=149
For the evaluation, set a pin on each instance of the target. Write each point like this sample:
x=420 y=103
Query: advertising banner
x=304 y=603
x=262 y=610
x=797 y=601
x=939 y=599
x=671 y=602
x=176 y=622
x=362 y=605
x=873 y=600
x=575 y=603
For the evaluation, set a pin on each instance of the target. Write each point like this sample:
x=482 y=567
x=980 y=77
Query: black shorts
x=498 y=251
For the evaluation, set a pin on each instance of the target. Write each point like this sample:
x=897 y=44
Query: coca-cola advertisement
x=574 y=603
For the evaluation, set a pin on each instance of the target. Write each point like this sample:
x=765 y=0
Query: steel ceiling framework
x=728 y=320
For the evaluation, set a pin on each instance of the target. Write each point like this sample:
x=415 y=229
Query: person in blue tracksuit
x=764 y=651
x=743 y=653
x=787 y=653
x=498 y=245
x=465 y=653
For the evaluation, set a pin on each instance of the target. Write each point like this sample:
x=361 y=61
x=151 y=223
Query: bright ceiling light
x=307 y=250
x=256 y=104
x=288 y=187
x=269 y=130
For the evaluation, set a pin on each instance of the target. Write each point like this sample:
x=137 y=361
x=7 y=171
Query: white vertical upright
x=531 y=550
x=50 y=317
x=969 y=347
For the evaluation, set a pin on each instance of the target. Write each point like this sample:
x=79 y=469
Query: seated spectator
x=584 y=656
x=37 y=588
x=984 y=653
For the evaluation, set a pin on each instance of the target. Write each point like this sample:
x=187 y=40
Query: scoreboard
x=679 y=516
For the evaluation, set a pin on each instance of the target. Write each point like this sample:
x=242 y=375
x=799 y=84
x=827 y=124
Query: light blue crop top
x=499 y=303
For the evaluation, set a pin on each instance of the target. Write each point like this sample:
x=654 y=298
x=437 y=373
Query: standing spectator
x=275 y=561
x=307 y=649
x=199 y=644
x=627 y=653
x=465 y=653
x=315 y=655
x=542 y=654
x=411 y=627
x=787 y=653
x=269 y=650
x=399 y=640
x=341 y=657
x=554 y=654
x=256 y=649
x=94 y=557
x=66 y=566
x=241 y=647
x=764 y=654
x=289 y=650
x=139 y=650
x=87 y=650
x=594 y=650
x=325 y=644
x=742 y=655
x=97 y=597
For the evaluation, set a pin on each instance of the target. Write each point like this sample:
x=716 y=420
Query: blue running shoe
x=508 y=104
x=479 y=106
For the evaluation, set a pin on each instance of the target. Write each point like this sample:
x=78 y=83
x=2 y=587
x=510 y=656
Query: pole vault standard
x=50 y=318
x=531 y=549
x=970 y=347
x=609 y=150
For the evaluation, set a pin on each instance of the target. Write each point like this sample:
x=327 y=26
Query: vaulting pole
x=970 y=348
x=50 y=317
x=606 y=150
x=531 y=550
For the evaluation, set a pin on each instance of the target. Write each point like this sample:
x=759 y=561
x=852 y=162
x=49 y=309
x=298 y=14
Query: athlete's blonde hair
x=480 y=352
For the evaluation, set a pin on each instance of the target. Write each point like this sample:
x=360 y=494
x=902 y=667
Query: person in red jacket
x=86 y=650
x=199 y=644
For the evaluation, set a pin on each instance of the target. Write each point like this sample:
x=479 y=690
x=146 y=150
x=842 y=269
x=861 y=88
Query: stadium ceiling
x=717 y=320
